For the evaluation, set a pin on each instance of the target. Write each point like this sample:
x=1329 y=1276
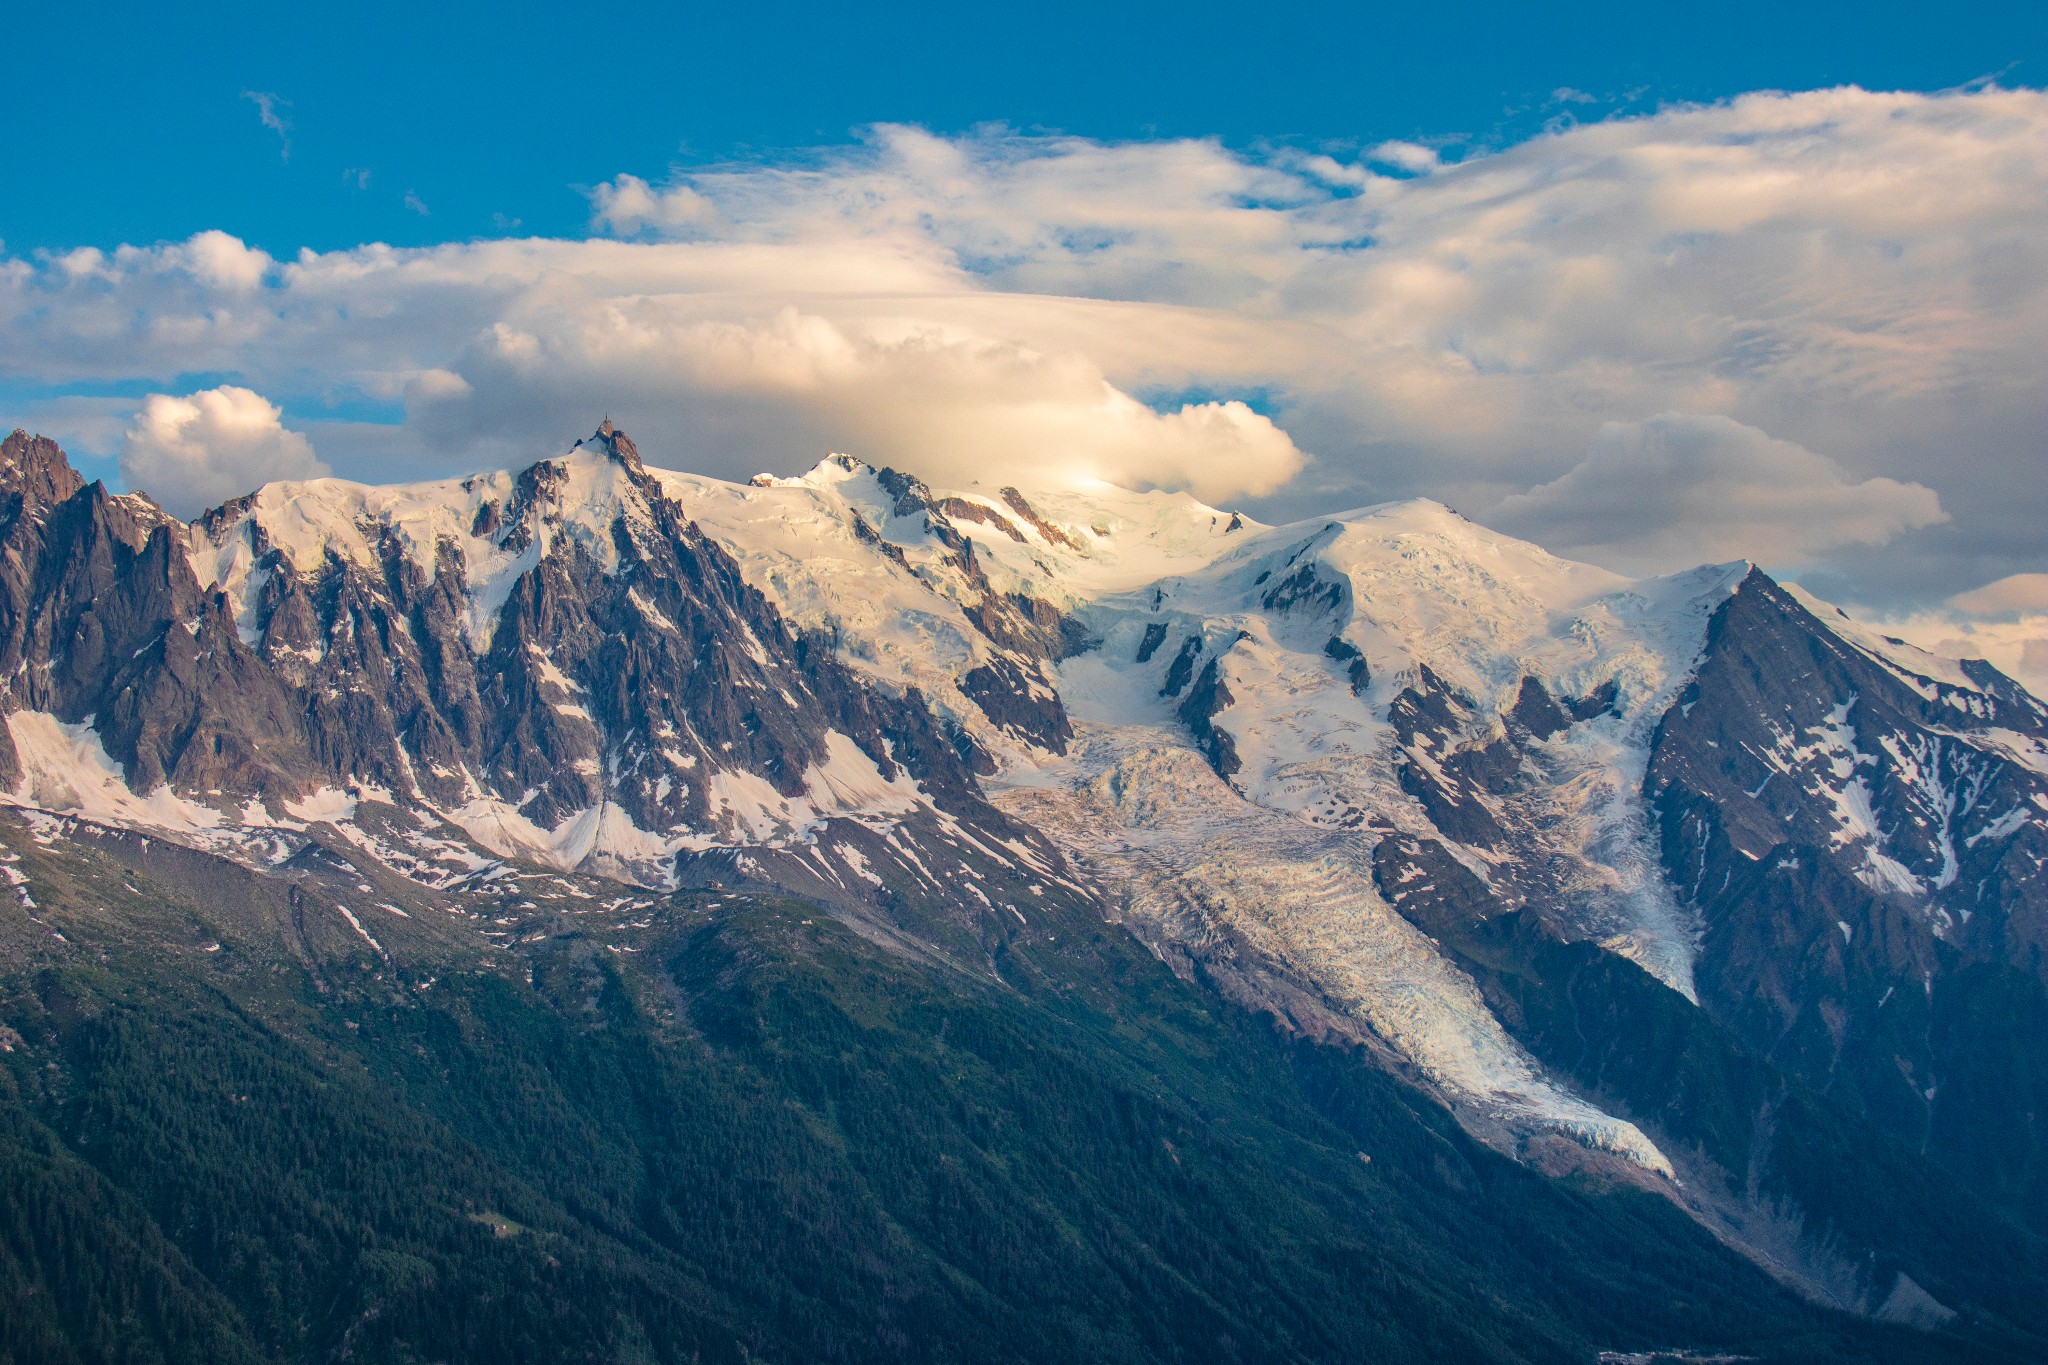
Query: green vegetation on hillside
x=759 y=1137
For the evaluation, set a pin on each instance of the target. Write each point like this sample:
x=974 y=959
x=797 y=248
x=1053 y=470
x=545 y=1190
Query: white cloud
x=1681 y=489
x=2005 y=621
x=2014 y=594
x=628 y=204
x=194 y=452
x=951 y=404
x=1408 y=156
x=224 y=262
x=1855 y=273
x=2017 y=647
x=1182 y=221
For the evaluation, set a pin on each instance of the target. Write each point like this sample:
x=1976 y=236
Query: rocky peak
x=1858 y=829
x=843 y=464
x=615 y=444
x=34 y=467
x=911 y=494
x=834 y=468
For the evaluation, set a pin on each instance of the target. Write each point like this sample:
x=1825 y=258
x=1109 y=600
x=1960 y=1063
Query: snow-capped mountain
x=1362 y=772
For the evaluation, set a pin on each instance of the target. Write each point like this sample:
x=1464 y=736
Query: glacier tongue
x=1412 y=588
x=1432 y=607
x=1202 y=869
x=1250 y=733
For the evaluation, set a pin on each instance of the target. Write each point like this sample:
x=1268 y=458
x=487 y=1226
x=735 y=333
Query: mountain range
x=591 y=912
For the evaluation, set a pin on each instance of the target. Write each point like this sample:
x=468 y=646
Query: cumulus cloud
x=1408 y=156
x=226 y=263
x=1681 y=489
x=194 y=452
x=628 y=204
x=1852 y=272
x=954 y=405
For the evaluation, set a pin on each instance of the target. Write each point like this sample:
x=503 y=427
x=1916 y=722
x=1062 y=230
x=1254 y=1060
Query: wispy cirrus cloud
x=270 y=108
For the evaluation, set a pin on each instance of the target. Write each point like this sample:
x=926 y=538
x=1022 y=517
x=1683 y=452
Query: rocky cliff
x=1667 y=883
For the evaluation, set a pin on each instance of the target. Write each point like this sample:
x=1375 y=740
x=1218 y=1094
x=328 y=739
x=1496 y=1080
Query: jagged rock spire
x=617 y=444
x=35 y=467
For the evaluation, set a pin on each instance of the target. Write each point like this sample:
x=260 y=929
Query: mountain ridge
x=1364 y=775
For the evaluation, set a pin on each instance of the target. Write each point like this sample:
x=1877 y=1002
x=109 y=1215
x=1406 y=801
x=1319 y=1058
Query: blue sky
x=1650 y=286
x=131 y=123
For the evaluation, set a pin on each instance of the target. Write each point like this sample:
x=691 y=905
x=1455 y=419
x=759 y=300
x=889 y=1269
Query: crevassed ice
x=1196 y=860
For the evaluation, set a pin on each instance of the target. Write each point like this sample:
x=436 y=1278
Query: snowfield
x=1319 y=645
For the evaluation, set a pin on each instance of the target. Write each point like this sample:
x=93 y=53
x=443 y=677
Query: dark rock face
x=1017 y=503
x=1441 y=768
x=1813 y=1182
x=1208 y=698
x=1356 y=667
x=622 y=683
x=1537 y=712
x=1021 y=699
x=1796 y=737
x=1866 y=854
x=101 y=618
x=1595 y=703
x=960 y=509
x=1013 y=690
x=1431 y=889
x=1302 y=584
x=1305 y=587
x=34 y=473
x=1183 y=667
